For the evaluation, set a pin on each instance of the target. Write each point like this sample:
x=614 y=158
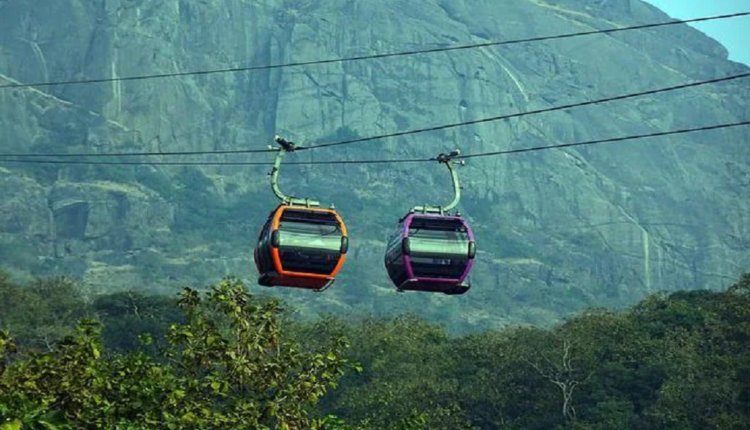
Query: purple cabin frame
x=407 y=259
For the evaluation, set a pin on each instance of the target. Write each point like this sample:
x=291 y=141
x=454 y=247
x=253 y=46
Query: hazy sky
x=734 y=33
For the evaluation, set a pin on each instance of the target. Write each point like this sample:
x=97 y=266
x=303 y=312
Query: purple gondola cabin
x=431 y=252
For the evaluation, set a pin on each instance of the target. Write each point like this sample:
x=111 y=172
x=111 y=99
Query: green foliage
x=19 y=253
x=228 y=366
x=128 y=316
x=406 y=372
x=229 y=360
x=40 y=313
x=742 y=286
x=675 y=362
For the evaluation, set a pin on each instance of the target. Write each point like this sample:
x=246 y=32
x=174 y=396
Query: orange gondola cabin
x=301 y=245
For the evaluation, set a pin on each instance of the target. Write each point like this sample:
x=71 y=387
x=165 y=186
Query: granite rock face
x=557 y=230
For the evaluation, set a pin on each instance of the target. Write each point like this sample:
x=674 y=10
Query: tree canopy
x=226 y=367
x=225 y=359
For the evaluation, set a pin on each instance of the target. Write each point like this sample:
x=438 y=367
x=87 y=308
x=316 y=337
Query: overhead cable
x=382 y=161
x=396 y=134
x=209 y=163
x=134 y=154
x=603 y=141
x=533 y=112
x=368 y=57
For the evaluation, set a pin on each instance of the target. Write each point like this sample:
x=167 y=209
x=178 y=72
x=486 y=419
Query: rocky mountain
x=557 y=230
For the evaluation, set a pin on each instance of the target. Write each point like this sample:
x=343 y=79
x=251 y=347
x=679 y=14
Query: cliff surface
x=557 y=230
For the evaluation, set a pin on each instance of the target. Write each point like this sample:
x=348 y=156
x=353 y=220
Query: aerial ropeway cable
x=369 y=57
x=533 y=112
x=380 y=161
x=382 y=136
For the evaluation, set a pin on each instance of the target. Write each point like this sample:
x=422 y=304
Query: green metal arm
x=287 y=200
x=446 y=159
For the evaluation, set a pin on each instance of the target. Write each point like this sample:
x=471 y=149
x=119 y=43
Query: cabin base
x=450 y=288
x=315 y=284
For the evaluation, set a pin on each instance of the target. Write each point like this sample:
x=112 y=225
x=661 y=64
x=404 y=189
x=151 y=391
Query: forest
x=223 y=358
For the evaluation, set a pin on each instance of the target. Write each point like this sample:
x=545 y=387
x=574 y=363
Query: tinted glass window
x=438 y=238
x=308 y=261
x=393 y=249
x=309 y=242
x=309 y=236
x=396 y=270
x=265 y=263
x=324 y=218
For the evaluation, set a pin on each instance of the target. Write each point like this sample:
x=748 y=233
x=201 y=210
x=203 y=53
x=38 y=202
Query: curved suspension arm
x=275 y=177
x=286 y=146
x=446 y=159
x=456 y=187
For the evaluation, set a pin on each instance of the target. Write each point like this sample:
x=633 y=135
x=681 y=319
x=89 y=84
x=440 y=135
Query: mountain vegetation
x=223 y=358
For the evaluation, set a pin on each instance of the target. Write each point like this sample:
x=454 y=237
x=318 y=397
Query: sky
x=734 y=33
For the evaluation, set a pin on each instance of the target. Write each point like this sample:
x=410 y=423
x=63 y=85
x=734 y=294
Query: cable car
x=431 y=253
x=301 y=245
x=432 y=250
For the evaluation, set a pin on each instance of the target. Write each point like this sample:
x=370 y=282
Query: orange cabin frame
x=302 y=279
